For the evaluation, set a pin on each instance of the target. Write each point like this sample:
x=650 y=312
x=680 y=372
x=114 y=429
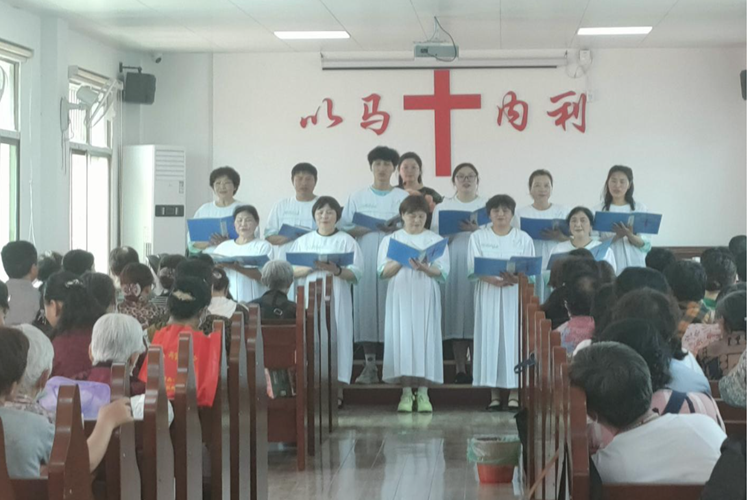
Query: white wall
x=44 y=81
x=675 y=116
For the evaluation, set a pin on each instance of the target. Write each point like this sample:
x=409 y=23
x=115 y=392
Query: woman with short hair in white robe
x=458 y=292
x=413 y=354
x=328 y=240
x=580 y=220
x=496 y=301
x=381 y=201
x=244 y=281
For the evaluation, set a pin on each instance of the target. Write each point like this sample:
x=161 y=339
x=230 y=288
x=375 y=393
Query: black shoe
x=463 y=378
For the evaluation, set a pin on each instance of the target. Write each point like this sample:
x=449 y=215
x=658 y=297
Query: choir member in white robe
x=381 y=200
x=630 y=249
x=295 y=211
x=496 y=301
x=413 y=354
x=580 y=220
x=224 y=181
x=327 y=239
x=458 y=292
x=244 y=281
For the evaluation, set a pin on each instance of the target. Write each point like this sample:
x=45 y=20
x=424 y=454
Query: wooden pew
x=186 y=428
x=215 y=433
x=258 y=467
x=239 y=412
x=68 y=475
x=157 y=471
x=284 y=348
x=333 y=356
x=312 y=369
x=735 y=419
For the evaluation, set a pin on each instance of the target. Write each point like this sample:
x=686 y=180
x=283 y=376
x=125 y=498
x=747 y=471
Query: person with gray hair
x=647 y=448
x=278 y=276
x=116 y=338
x=38 y=368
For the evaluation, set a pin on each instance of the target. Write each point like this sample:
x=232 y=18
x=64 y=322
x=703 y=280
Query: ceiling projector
x=436 y=50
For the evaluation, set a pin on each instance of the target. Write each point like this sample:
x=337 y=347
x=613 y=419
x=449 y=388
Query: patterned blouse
x=733 y=387
x=720 y=357
x=144 y=311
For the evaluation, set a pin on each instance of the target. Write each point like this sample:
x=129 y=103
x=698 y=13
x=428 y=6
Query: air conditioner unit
x=153 y=199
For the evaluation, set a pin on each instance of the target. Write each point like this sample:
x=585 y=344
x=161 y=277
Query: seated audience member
x=29 y=437
x=565 y=271
x=733 y=386
x=741 y=263
x=721 y=356
x=606 y=272
x=20 y=264
x=729 y=478
x=721 y=272
x=659 y=259
x=196 y=267
x=166 y=274
x=116 y=338
x=48 y=264
x=118 y=259
x=102 y=288
x=698 y=336
x=583 y=253
x=136 y=282
x=647 y=448
x=633 y=278
x=72 y=311
x=78 y=262
x=38 y=368
x=222 y=306
x=278 y=277
x=687 y=279
x=662 y=311
x=738 y=244
x=579 y=296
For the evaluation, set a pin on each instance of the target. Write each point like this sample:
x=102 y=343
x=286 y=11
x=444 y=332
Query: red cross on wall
x=442 y=102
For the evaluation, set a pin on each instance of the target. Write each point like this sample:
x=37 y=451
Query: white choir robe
x=457 y=292
x=211 y=210
x=369 y=294
x=496 y=310
x=294 y=213
x=626 y=255
x=413 y=339
x=339 y=242
x=567 y=246
x=242 y=288
x=542 y=248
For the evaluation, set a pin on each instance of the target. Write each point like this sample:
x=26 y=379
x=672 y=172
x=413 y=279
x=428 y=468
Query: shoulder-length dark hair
x=628 y=195
x=80 y=308
x=409 y=156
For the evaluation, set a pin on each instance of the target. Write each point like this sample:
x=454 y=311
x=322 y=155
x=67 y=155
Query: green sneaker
x=407 y=404
x=423 y=403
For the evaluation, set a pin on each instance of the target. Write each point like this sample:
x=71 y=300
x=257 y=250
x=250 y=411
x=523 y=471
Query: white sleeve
x=383 y=253
x=273 y=226
x=347 y=214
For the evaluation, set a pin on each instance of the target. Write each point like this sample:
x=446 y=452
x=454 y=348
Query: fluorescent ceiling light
x=625 y=30
x=311 y=35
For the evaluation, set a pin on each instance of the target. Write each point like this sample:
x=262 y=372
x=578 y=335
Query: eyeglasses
x=461 y=178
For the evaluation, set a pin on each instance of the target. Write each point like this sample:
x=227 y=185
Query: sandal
x=494 y=405
x=512 y=405
x=340 y=403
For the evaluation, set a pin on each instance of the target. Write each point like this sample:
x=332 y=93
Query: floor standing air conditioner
x=153 y=199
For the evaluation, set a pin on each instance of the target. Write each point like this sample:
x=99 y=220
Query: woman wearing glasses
x=458 y=298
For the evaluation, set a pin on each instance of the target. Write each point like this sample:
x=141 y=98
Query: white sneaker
x=368 y=376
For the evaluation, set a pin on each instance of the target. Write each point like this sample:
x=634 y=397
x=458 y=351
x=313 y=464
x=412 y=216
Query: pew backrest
x=186 y=428
x=239 y=411
x=157 y=473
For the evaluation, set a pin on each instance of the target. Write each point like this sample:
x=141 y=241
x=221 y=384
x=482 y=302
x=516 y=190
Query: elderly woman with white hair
x=38 y=368
x=278 y=277
x=116 y=338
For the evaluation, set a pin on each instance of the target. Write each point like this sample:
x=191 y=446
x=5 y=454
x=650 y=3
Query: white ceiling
x=394 y=25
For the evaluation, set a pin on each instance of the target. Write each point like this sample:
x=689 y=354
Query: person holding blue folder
x=496 y=302
x=328 y=240
x=630 y=249
x=580 y=220
x=224 y=181
x=244 y=282
x=458 y=292
x=413 y=354
x=540 y=189
x=381 y=200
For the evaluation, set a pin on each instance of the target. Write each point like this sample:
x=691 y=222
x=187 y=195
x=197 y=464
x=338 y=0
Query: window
x=10 y=145
x=90 y=181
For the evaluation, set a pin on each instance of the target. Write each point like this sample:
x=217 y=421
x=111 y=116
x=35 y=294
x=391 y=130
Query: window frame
x=12 y=138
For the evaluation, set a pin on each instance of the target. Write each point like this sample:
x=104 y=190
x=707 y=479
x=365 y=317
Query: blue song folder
x=373 y=223
x=401 y=252
x=643 y=223
x=450 y=220
x=293 y=232
x=306 y=259
x=243 y=260
x=535 y=227
x=554 y=258
x=600 y=250
x=530 y=266
x=203 y=229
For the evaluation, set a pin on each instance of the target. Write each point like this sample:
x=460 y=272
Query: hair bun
x=74 y=283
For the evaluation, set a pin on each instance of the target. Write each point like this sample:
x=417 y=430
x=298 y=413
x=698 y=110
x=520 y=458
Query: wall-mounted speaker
x=140 y=88
x=743 y=83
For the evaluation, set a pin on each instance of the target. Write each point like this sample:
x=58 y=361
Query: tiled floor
x=379 y=454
